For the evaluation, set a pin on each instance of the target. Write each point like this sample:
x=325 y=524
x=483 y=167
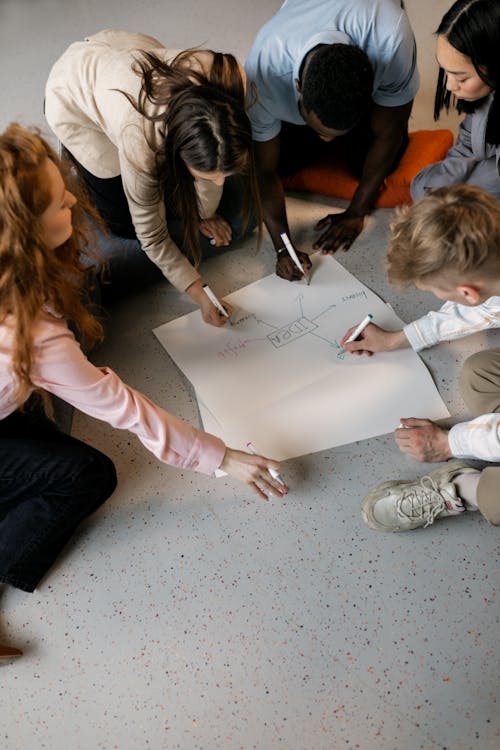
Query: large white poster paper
x=278 y=376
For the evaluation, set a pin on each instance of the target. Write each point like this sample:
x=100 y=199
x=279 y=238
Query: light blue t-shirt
x=379 y=27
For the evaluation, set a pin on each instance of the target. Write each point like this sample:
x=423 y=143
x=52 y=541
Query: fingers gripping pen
x=359 y=329
x=275 y=474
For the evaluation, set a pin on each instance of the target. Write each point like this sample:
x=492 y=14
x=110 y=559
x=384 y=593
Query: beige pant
x=480 y=387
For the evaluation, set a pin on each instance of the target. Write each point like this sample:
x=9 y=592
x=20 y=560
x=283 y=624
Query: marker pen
x=294 y=256
x=213 y=299
x=359 y=329
x=275 y=474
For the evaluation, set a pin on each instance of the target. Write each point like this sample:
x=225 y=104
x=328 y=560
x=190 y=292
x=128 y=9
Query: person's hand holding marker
x=291 y=264
x=258 y=472
x=212 y=313
x=272 y=470
x=368 y=338
x=223 y=310
x=419 y=438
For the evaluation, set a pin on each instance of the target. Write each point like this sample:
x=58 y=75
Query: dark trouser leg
x=300 y=147
x=49 y=483
x=127 y=267
x=480 y=387
x=108 y=196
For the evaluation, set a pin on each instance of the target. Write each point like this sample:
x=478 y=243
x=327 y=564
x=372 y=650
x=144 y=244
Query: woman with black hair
x=468 y=53
x=154 y=134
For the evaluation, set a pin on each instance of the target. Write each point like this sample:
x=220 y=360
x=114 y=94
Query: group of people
x=168 y=155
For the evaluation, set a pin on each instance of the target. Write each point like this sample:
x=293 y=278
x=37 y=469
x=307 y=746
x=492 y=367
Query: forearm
x=378 y=164
x=195 y=291
x=482 y=173
x=389 y=126
x=447 y=172
x=267 y=154
x=148 y=213
x=61 y=368
x=455 y=167
x=452 y=321
x=397 y=340
x=274 y=207
x=173 y=264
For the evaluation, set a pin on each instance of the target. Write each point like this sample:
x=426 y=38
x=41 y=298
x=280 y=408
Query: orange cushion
x=330 y=177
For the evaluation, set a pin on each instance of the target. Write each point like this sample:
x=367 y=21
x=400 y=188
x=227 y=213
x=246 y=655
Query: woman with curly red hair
x=49 y=481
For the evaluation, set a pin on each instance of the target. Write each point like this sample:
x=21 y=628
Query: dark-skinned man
x=347 y=70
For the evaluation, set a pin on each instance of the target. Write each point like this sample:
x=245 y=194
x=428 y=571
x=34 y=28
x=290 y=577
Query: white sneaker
x=402 y=506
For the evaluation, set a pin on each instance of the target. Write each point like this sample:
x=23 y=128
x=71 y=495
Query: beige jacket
x=86 y=110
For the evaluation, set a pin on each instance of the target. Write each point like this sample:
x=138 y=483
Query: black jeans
x=300 y=147
x=49 y=483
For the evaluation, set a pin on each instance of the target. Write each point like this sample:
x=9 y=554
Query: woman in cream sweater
x=155 y=135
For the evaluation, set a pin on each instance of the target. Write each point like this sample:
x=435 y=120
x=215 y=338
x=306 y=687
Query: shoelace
x=424 y=502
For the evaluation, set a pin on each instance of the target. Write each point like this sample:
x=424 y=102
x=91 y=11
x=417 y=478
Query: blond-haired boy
x=449 y=244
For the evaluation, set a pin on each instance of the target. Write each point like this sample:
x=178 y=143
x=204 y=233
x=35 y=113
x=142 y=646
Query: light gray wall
x=33 y=33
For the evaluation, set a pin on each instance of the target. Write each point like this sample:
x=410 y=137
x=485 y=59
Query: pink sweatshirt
x=60 y=367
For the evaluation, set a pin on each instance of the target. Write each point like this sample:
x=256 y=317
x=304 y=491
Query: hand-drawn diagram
x=295 y=329
x=279 y=377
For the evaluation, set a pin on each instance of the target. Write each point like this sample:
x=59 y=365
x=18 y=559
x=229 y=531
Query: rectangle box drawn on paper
x=292 y=331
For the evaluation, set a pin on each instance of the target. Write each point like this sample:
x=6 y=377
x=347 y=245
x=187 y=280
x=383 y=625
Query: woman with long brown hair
x=49 y=481
x=163 y=144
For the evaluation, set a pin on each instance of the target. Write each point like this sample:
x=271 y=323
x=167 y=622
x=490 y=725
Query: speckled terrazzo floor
x=188 y=615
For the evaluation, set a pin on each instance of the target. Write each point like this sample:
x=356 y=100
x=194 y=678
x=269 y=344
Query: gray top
x=379 y=27
x=470 y=160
